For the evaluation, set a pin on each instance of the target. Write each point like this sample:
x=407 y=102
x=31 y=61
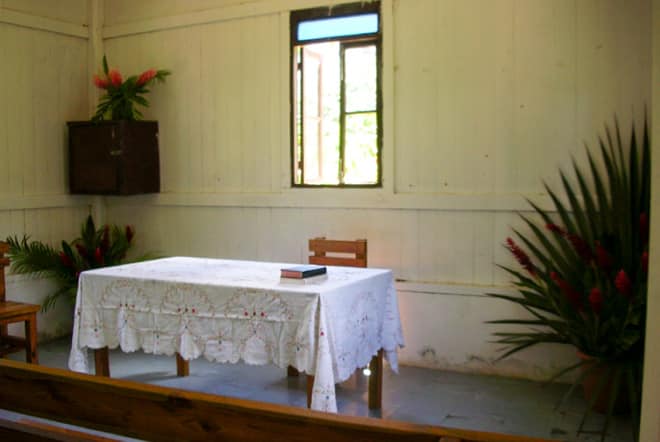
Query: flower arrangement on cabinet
x=122 y=96
x=104 y=247
x=584 y=273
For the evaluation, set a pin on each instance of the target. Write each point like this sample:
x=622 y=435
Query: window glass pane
x=361 y=149
x=321 y=113
x=360 y=78
x=338 y=27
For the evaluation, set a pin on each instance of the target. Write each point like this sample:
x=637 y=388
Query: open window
x=336 y=96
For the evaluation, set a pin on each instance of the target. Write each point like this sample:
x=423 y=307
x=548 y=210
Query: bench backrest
x=160 y=413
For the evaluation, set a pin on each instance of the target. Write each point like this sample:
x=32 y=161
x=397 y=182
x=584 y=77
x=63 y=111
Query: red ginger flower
x=115 y=78
x=645 y=262
x=555 y=228
x=580 y=246
x=571 y=294
x=596 y=300
x=129 y=233
x=146 y=77
x=98 y=255
x=105 y=239
x=521 y=256
x=82 y=251
x=603 y=259
x=65 y=259
x=101 y=83
x=623 y=284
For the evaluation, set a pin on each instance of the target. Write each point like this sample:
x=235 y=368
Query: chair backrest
x=338 y=253
x=4 y=262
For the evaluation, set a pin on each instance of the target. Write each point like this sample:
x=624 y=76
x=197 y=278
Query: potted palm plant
x=584 y=274
x=103 y=247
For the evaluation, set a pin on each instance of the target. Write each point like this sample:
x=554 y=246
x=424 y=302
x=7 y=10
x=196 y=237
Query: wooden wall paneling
x=11 y=223
x=416 y=161
x=473 y=67
x=504 y=155
x=209 y=100
x=71 y=103
x=464 y=228
x=4 y=108
x=231 y=51
x=434 y=236
x=279 y=120
x=384 y=238
x=269 y=134
x=290 y=231
x=70 y=11
x=28 y=141
x=45 y=125
x=596 y=46
x=18 y=108
x=264 y=234
x=544 y=73
x=483 y=253
x=410 y=243
x=188 y=92
x=250 y=113
x=446 y=91
x=605 y=37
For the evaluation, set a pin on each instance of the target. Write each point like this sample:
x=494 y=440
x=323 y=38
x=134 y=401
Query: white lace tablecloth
x=229 y=311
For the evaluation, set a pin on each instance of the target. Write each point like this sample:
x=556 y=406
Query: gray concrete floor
x=419 y=395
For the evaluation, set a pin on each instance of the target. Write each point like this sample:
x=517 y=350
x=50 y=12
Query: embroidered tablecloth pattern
x=227 y=311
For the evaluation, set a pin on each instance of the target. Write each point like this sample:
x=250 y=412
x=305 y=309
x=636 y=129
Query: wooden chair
x=350 y=254
x=338 y=253
x=12 y=312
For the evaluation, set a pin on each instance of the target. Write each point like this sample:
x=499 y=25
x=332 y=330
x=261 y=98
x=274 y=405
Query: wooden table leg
x=182 y=366
x=31 y=340
x=376 y=381
x=310 y=390
x=102 y=361
x=292 y=372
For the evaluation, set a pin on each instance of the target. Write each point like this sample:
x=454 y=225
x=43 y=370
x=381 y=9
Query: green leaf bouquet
x=121 y=95
x=584 y=272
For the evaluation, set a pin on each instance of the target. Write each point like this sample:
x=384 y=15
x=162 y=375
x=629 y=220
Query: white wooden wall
x=482 y=101
x=43 y=84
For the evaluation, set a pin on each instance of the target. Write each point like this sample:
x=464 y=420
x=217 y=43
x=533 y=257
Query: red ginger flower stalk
x=82 y=251
x=623 y=284
x=596 y=300
x=146 y=77
x=101 y=83
x=521 y=256
x=603 y=259
x=129 y=233
x=65 y=259
x=105 y=239
x=571 y=294
x=115 y=78
x=555 y=228
x=98 y=255
x=580 y=246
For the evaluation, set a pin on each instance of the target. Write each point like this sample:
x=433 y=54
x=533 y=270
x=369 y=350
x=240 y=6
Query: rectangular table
x=227 y=311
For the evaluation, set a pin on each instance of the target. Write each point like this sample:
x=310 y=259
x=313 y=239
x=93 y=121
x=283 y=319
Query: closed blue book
x=302 y=271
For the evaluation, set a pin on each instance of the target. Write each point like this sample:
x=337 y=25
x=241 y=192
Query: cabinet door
x=94 y=158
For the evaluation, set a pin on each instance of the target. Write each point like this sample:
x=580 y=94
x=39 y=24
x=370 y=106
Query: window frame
x=342 y=10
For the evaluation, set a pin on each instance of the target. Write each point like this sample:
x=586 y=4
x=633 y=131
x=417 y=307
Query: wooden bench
x=166 y=414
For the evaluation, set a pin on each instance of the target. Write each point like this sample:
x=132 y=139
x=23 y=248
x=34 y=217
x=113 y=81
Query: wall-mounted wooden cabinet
x=113 y=157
